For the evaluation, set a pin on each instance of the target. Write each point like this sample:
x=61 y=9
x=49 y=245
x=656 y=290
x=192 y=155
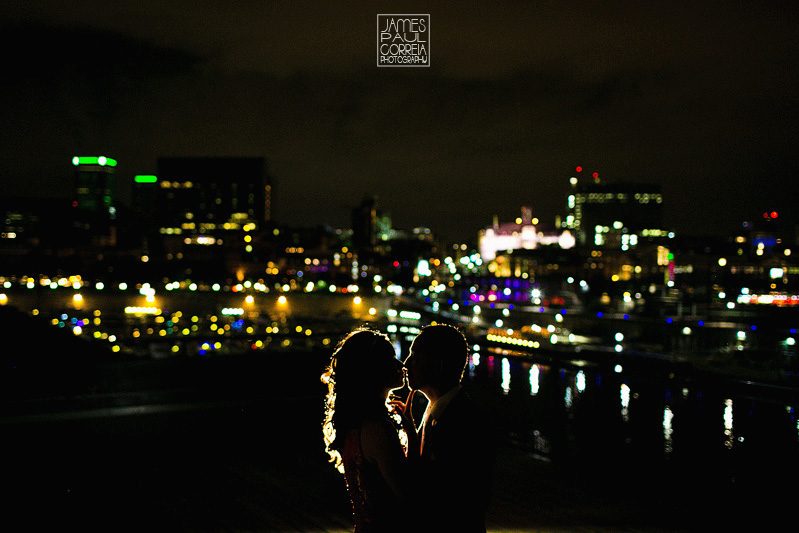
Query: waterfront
x=592 y=440
x=232 y=444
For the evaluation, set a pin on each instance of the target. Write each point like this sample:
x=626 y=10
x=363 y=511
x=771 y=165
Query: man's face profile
x=424 y=367
x=417 y=364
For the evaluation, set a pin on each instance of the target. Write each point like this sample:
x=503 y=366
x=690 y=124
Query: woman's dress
x=374 y=507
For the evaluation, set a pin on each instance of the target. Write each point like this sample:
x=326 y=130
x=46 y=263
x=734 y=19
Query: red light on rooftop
x=774 y=214
x=579 y=169
x=596 y=174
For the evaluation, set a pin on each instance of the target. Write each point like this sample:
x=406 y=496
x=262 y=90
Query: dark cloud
x=699 y=97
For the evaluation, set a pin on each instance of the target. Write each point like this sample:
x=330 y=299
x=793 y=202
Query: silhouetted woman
x=361 y=436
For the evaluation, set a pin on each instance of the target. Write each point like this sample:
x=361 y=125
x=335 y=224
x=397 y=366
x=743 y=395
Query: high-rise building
x=144 y=201
x=203 y=195
x=95 y=187
x=95 y=192
x=613 y=214
x=28 y=222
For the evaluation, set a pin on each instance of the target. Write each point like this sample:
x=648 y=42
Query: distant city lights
x=525 y=271
x=138 y=310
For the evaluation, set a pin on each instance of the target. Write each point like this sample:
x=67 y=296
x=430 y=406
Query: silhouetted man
x=457 y=448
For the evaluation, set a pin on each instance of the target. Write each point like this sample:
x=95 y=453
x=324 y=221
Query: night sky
x=699 y=96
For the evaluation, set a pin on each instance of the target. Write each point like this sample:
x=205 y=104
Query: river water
x=712 y=445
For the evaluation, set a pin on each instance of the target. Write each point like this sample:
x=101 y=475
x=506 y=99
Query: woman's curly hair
x=353 y=380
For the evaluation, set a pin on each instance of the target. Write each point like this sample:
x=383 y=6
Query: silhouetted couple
x=439 y=478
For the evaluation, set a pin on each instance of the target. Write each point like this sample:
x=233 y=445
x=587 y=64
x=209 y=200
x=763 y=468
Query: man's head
x=438 y=357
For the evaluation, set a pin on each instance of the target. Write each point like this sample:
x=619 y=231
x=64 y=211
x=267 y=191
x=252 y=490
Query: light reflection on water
x=474 y=362
x=567 y=397
x=505 y=375
x=589 y=411
x=728 y=423
x=535 y=375
x=624 y=395
x=580 y=381
x=668 y=416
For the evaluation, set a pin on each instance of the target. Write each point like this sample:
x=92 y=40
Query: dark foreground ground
x=234 y=446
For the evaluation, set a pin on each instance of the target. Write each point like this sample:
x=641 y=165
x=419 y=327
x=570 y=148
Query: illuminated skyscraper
x=95 y=191
x=611 y=214
x=199 y=195
x=145 y=201
x=95 y=187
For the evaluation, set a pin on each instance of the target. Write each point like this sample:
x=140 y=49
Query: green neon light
x=101 y=160
x=145 y=179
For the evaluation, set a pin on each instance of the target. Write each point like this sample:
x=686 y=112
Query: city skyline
x=699 y=99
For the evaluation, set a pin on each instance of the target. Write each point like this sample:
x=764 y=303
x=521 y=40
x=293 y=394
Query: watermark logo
x=403 y=40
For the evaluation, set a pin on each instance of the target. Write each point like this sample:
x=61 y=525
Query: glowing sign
x=101 y=160
x=145 y=179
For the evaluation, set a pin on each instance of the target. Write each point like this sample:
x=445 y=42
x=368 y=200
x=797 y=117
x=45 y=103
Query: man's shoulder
x=463 y=408
x=470 y=413
x=464 y=402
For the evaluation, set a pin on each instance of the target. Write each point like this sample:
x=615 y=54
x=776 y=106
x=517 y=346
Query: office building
x=208 y=195
x=614 y=214
x=95 y=186
x=94 y=198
